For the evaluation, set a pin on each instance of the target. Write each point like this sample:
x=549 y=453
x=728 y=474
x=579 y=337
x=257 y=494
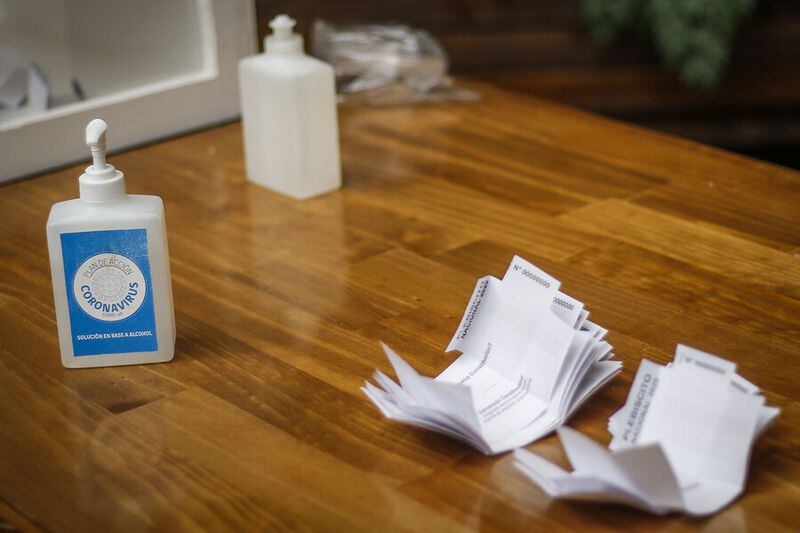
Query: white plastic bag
x=386 y=64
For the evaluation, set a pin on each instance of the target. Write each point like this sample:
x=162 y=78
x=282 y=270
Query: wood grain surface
x=258 y=422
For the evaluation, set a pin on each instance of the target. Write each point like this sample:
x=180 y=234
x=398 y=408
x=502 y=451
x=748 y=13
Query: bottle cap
x=100 y=182
x=283 y=40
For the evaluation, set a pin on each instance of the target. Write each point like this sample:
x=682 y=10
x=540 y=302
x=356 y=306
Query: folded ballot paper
x=681 y=443
x=529 y=358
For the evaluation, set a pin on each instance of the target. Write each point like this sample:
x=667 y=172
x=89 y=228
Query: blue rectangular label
x=109 y=292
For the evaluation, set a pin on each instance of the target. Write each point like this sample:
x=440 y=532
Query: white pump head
x=96 y=141
x=100 y=182
x=283 y=40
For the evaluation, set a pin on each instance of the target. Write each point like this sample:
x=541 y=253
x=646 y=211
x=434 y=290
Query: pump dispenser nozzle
x=96 y=141
x=100 y=182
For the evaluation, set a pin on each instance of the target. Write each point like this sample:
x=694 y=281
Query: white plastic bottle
x=110 y=269
x=291 y=137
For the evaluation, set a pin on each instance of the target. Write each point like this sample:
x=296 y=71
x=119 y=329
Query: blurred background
x=723 y=72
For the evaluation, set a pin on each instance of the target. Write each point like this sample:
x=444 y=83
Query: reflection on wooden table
x=259 y=422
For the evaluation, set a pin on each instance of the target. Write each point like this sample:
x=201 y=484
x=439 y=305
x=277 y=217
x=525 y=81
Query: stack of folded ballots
x=681 y=443
x=530 y=358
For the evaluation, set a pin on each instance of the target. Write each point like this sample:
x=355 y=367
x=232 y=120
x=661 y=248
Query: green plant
x=692 y=37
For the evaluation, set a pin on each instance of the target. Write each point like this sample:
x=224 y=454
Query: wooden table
x=259 y=422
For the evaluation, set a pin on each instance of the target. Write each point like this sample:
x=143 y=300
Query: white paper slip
x=681 y=442
x=529 y=359
x=24 y=90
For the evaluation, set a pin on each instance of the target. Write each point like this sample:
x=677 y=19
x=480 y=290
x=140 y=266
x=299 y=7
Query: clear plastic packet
x=386 y=64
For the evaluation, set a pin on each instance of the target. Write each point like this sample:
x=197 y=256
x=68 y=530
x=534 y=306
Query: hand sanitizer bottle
x=291 y=138
x=110 y=269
